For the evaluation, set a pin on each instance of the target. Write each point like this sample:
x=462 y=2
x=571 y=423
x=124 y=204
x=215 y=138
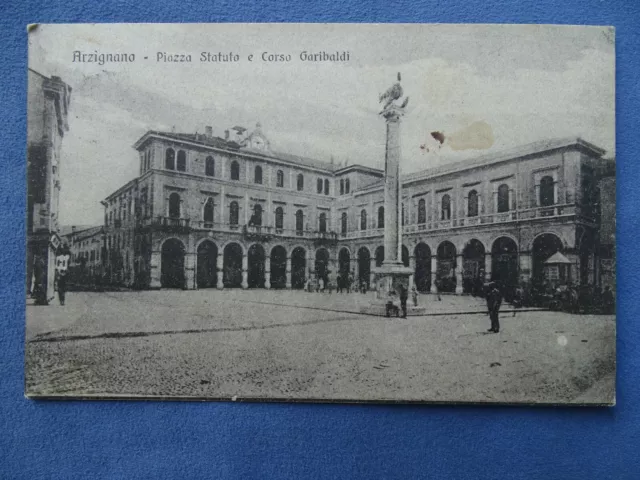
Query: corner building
x=211 y=212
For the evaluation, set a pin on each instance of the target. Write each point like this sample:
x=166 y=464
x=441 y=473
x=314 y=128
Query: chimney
x=226 y=134
x=208 y=131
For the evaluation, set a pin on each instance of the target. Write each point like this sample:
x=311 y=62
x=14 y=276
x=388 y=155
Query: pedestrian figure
x=438 y=284
x=62 y=269
x=349 y=282
x=494 y=300
x=321 y=284
x=404 y=294
x=518 y=298
x=414 y=295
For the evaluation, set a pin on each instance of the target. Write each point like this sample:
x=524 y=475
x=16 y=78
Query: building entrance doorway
x=207 y=273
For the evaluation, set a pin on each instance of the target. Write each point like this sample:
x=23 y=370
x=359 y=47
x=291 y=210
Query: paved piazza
x=297 y=345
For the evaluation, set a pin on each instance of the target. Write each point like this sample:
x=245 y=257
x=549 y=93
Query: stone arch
x=206 y=264
x=278 y=260
x=543 y=247
x=344 y=261
x=322 y=263
x=298 y=267
x=504 y=262
x=172 y=252
x=232 y=264
x=364 y=265
x=473 y=266
x=256 y=257
x=446 y=266
x=422 y=278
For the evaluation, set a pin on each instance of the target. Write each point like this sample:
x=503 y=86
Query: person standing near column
x=494 y=300
x=62 y=269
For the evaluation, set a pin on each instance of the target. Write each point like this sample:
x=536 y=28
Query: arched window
x=343 y=223
x=381 y=217
x=363 y=220
x=182 y=161
x=256 y=218
x=323 y=222
x=170 y=159
x=472 y=204
x=235 y=170
x=445 y=210
x=280 y=179
x=346 y=186
x=547 y=194
x=342 y=186
x=209 y=167
x=326 y=186
x=422 y=211
x=299 y=221
x=279 y=218
x=319 y=185
x=257 y=175
x=300 y=182
x=207 y=214
x=503 y=198
x=233 y=213
x=174 y=205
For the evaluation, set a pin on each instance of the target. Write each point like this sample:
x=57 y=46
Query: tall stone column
x=459 y=268
x=220 y=270
x=434 y=273
x=267 y=272
x=372 y=275
x=189 y=270
x=245 y=266
x=488 y=263
x=392 y=190
x=412 y=266
x=288 y=272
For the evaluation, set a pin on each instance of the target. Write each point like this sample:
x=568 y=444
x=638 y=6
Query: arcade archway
x=364 y=266
x=344 y=261
x=504 y=262
x=278 y=267
x=544 y=246
x=322 y=264
x=172 y=261
x=446 y=272
x=422 y=277
x=473 y=267
x=232 y=269
x=207 y=271
x=255 y=266
x=298 y=268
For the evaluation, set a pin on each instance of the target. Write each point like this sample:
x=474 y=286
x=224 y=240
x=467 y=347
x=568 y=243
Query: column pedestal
x=220 y=271
x=267 y=272
x=388 y=279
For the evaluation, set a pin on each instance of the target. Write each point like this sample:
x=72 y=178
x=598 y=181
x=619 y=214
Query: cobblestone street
x=295 y=345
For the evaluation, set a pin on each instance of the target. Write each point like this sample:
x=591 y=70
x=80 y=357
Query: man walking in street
x=62 y=270
x=494 y=300
x=404 y=294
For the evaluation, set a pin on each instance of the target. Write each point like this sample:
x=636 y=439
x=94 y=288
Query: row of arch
x=504 y=264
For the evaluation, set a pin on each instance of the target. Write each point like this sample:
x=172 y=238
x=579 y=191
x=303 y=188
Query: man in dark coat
x=404 y=294
x=494 y=300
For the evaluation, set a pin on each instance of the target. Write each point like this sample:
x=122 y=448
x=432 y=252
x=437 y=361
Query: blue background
x=225 y=440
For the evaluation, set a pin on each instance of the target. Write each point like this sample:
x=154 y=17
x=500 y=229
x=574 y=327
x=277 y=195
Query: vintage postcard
x=321 y=212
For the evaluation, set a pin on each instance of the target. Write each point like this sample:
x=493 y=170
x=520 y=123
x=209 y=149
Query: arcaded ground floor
x=286 y=344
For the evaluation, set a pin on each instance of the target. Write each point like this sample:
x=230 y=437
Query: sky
x=487 y=88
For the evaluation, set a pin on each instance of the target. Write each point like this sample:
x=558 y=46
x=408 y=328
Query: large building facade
x=48 y=103
x=229 y=212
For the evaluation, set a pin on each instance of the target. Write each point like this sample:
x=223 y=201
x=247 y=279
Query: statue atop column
x=393 y=94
